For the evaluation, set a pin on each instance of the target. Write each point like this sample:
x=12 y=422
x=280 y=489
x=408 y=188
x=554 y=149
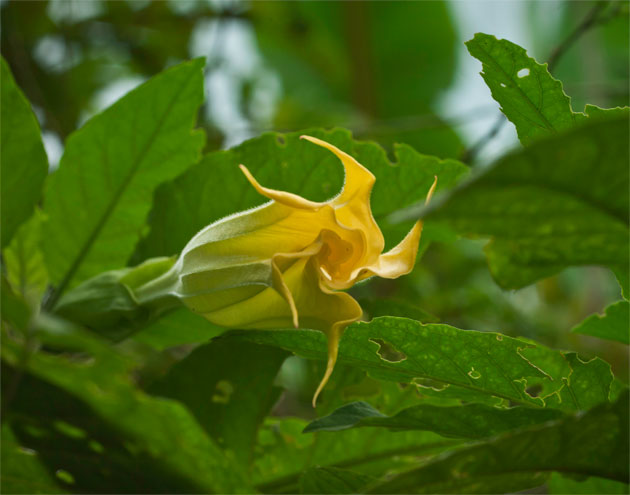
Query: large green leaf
x=591 y=444
x=613 y=325
x=466 y=364
x=466 y=421
x=23 y=161
x=227 y=385
x=216 y=187
x=563 y=201
x=284 y=453
x=98 y=200
x=529 y=96
x=97 y=376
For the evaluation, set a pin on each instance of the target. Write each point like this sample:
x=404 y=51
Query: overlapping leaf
x=466 y=421
x=561 y=202
x=98 y=200
x=591 y=444
x=613 y=325
x=23 y=161
x=238 y=381
x=157 y=429
x=474 y=366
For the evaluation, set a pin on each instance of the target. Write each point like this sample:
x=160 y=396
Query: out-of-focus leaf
x=563 y=485
x=24 y=261
x=332 y=480
x=227 y=385
x=98 y=199
x=466 y=421
x=159 y=428
x=178 y=327
x=23 y=161
x=529 y=96
x=67 y=443
x=216 y=187
x=613 y=325
x=283 y=452
x=590 y=444
x=561 y=202
x=398 y=349
x=623 y=278
x=15 y=310
x=21 y=470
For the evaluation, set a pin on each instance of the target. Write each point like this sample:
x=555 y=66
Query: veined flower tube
x=285 y=263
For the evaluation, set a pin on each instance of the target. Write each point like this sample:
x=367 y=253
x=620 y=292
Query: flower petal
x=282 y=197
x=352 y=205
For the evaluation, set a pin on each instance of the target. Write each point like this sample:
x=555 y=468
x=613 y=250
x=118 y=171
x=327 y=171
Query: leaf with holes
x=98 y=199
x=473 y=366
x=529 y=96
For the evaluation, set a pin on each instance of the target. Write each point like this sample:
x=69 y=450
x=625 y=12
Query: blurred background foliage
x=388 y=71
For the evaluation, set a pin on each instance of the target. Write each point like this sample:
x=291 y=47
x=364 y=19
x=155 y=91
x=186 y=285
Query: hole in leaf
x=523 y=73
x=388 y=352
x=503 y=85
x=534 y=390
x=475 y=375
x=224 y=391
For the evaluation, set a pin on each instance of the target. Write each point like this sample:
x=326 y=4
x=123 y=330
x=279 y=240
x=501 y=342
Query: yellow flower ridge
x=285 y=262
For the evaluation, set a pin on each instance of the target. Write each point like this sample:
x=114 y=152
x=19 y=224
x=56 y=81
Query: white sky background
x=235 y=57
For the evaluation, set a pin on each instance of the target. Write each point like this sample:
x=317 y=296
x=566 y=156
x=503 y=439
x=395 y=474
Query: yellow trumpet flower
x=287 y=261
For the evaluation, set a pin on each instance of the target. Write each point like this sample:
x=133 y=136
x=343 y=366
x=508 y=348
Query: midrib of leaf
x=527 y=99
x=113 y=203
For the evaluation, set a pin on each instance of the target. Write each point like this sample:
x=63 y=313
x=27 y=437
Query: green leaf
x=476 y=363
x=590 y=444
x=613 y=325
x=216 y=187
x=561 y=485
x=24 y=261
x=332 y=480
x=162 y=430
x=98 y=199
x=466 y=421
x=528 y=94
x=237 y=379
x=284 y=453
x=561 y=202
x=21 y=470
x=391 y=307
x=178 y=327
x=23 y=161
